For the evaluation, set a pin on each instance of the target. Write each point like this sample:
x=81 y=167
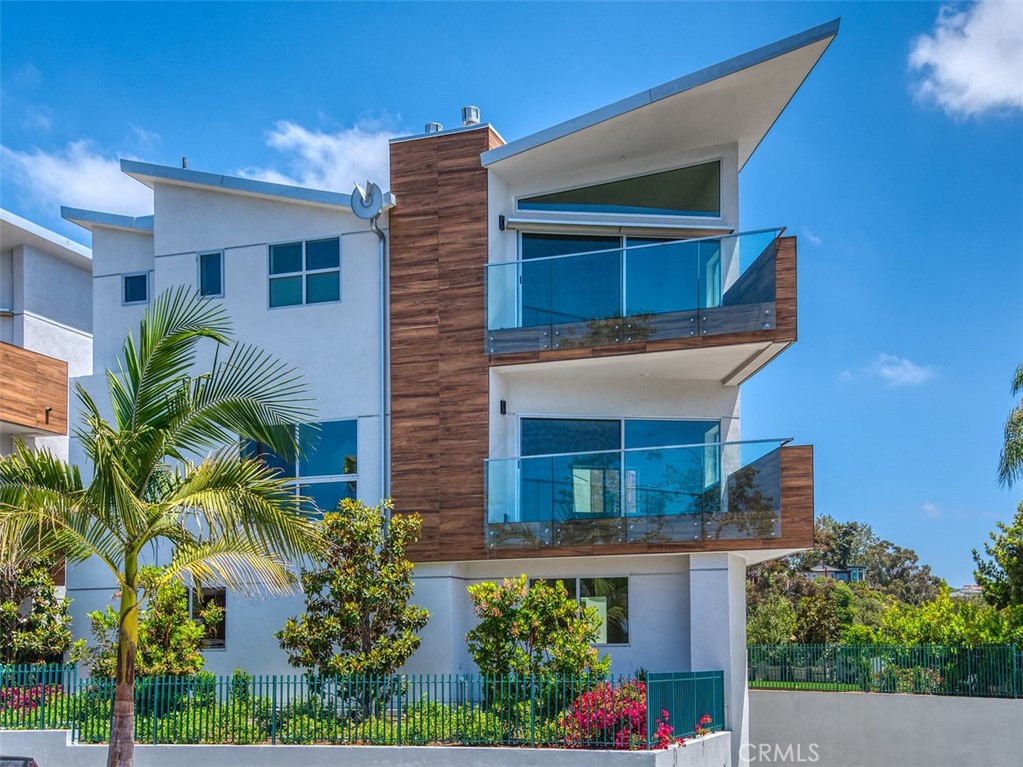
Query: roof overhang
x=150 y=175
x=16 y=231
x=736 y=101
x=94 y=219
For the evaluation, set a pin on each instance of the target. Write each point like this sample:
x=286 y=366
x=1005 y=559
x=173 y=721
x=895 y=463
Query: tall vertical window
x=211 y=273
x=326 y=469
x=135 y=288
x=609 y=597
x=202 y=599
x=306 y=272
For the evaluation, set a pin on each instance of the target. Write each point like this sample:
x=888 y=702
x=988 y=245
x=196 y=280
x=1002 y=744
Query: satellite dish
x=367 y=202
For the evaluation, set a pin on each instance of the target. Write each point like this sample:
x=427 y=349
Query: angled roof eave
x=822 y=32
x=150 y=174
x=92 y=219
x=65 y=247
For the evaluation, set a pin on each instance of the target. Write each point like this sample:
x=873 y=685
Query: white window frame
x=149 y=288
x=304 y=272
x=198 y=272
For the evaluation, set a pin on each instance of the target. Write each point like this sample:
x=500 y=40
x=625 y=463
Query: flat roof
x=150 y=174
x=737 y=100
x=16 y=231
x=90 y=219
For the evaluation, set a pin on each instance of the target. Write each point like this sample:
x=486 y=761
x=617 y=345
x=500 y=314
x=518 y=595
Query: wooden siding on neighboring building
x=33 y=391
x=440 y=383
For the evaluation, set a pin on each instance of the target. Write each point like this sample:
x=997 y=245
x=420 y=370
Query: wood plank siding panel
x=440 y=372
x=440 y=389
x=29 y=384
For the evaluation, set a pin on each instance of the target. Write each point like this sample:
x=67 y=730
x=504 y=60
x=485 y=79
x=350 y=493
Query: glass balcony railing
x=716 y=491
x=645 y=292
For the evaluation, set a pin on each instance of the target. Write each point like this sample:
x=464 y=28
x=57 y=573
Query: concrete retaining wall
x=848 y=729
x=54 y=749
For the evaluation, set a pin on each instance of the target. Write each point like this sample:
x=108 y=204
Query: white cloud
x=932 y=511
x=78 y=175
x=145 y=140
x=845 y=376
x=333 y=161
x=812 y=238
x=898 y=371
x=973 y=61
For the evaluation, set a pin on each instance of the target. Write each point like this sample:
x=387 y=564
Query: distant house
x=851 y=574
x=970 y=591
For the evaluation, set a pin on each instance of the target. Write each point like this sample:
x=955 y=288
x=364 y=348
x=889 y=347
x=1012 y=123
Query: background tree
x=357 y=617
x=771 y=621
x=170 y=639
x=533 y=630
x=35 y=625
x=1001 y=576
x=1010 y=462
x=897 y=571
x=229 y=518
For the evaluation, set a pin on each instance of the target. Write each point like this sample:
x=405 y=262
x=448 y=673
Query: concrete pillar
x=717 y=620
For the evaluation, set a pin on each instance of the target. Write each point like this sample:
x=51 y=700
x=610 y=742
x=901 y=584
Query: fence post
x=273 y=710
x=401 y=694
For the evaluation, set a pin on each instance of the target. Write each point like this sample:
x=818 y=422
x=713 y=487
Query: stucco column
x=717 y=620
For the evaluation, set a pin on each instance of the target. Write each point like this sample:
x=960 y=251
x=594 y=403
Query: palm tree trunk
x=122 y=731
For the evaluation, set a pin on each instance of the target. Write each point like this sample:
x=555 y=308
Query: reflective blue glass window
x=211 y=274
x=576 y=289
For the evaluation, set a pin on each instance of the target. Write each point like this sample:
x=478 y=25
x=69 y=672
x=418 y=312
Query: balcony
x=33 y=392
x=654 y=295
x=713 y=493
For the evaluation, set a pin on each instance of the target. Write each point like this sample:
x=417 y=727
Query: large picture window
x=693 y=191
x=609 y=597
x=326 y=470
x=306 y=272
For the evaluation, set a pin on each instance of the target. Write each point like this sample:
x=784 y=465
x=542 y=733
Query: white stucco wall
x=850 y=729
x=659 y=594
x=54 y=748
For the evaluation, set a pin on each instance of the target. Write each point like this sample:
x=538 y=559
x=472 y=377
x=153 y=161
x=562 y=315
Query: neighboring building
x=851 y=574
x=546 y=365
x=45 y=331
x=969 y=591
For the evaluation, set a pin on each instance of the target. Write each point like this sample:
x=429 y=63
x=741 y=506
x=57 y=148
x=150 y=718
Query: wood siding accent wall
x=440 y=381
x=29 y=384
x=784 y=330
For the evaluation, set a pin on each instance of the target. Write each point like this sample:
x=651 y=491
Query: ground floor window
x=199 y=600
x=609 y=597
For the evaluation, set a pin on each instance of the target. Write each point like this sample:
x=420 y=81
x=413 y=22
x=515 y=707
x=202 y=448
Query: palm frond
x=235 y=562
x=229 y=495
x=168 y=333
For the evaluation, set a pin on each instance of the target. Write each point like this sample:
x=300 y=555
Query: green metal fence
x=989 y=671
x=551 y=711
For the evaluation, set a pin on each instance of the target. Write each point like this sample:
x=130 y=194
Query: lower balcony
x=711 y=493
x=33 y=393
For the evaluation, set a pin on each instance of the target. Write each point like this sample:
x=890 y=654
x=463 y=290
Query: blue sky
x=899 y=164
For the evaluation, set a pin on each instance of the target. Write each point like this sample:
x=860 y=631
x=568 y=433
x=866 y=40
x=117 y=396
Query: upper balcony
x=648 y=295
x=33 y=393
x=711 y=496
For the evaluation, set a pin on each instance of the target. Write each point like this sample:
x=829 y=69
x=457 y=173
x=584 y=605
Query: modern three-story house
x=538 y=346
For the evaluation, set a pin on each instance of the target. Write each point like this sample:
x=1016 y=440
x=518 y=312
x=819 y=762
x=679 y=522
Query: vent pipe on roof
x=433 y=128
x=470 y=116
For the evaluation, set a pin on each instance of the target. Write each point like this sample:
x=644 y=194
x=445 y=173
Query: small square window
x=211 y=274
x=135 y=288
x=306 y=272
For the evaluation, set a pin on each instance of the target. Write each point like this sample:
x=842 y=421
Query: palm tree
x=1010 y=463
x=230 y=519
